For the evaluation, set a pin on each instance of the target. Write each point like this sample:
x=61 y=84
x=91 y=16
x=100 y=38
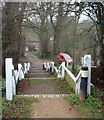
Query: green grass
x=0 y=105
x=90 y=108
x=39 y=55
x=62 y=84
x=38 y=81
x=76 y=71
x=18 y=108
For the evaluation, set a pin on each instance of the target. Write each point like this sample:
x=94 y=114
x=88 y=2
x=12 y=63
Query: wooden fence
x=12 y=76
x=71 y=79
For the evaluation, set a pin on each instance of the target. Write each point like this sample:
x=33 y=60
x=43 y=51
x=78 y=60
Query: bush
x=2 y=85
x=90 y=108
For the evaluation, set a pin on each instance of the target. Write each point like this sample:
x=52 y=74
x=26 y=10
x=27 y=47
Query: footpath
x=51 y=99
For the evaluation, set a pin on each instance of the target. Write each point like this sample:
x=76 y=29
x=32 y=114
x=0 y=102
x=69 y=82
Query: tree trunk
x=74 y=41
x=100 y=32
x=19 y=31
x=57 y=31
x=56 y=45
x=44 y=43
x=95 y=55
x=8 y=33
x=0 y=42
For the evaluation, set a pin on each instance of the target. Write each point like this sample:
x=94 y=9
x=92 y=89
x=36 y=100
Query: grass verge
x=90 y=108
x=38 y=81
x=39 y=55
x=18 y=108
x=62 y=84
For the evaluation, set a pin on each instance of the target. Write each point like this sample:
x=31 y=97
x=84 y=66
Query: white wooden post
x=25 y=68
x=58 y=74
x=52 y=67
x=15 y=72
x=19 y=70
x=28 y=64
x=21 y=74
x=82 y=60
x=87 y=62
x=13 y=82
x=63 y=70
x=78 y=86
x=9 y=92
x=44 y=65
x=47 y=66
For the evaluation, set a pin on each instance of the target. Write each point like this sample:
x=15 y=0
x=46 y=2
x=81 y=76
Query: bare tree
x=20 y=16
x=39 y=13
x=12 y=30
x=95 y=11
x=0 y=39
x=58 y=15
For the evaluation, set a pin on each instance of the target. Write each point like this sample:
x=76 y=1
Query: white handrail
x=12 y=76
x=79 y=74
x=56 y=69
x=70 y=74
x=60 y=65
x=75 y=79
x=86 y=61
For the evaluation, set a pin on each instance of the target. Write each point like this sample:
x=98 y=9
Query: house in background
x=33 y=45
x=32 y=40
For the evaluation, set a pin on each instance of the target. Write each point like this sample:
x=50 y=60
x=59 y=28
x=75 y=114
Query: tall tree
x=58 y=14
x=0 y=38
x=20 y=16
x=11 y=35
x=39 y=13
x=57 y=30
x=95 y=11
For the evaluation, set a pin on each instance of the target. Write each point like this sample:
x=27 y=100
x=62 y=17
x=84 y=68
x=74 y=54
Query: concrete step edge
x=35 y=69
x=40 y=73
x=45 y=95
x=39 y=78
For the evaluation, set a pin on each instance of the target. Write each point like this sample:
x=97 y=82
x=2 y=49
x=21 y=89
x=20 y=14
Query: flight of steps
x=37 y=73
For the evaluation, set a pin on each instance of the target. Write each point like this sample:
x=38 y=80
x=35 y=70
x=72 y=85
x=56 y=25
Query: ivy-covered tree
x=95 y=11
x=12 y=18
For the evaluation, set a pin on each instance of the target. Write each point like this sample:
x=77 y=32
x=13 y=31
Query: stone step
x=45 y=95
x=39 y=75
x=38 y=71
x=40 y=78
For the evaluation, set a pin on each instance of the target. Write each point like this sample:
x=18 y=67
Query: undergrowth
x=19 y=107
x=39 y=55
x=91 y=107
x=62 y=84
x=2 y=85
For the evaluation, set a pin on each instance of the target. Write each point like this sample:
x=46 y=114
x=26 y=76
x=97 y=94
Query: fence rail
x=12 y=76
x=86 y=61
